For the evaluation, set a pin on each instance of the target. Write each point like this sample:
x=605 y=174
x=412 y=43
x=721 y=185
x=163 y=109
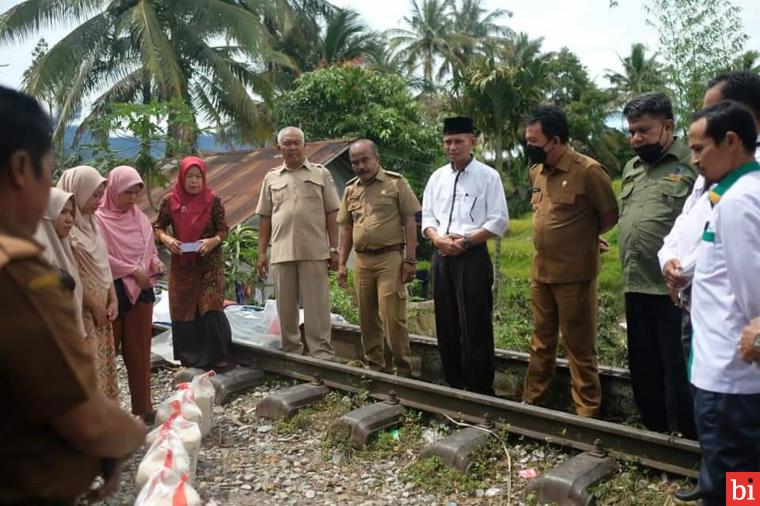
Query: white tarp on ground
x=161 y=308
x=250 y=325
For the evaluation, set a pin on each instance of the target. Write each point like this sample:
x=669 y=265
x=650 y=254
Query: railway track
x=617 y=396
x=658 y=451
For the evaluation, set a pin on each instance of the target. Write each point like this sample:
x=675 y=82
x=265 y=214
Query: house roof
x=237 y=176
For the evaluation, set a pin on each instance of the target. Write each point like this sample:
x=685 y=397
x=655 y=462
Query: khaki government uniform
x=46 y=371
x=568 y=201
x=376 y=212
x=298 y=201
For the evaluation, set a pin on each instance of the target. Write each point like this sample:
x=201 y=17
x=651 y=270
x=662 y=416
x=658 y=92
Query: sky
x=598 y=34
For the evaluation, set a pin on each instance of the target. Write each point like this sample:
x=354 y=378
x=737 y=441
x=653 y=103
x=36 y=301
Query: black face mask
x=650 y=153
x=536 y=154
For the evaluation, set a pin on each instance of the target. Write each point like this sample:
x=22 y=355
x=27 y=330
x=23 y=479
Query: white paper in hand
x=190 y=247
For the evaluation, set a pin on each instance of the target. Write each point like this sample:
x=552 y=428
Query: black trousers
x=686 y=327
x=658 y=370
x=729 y=437
x=463 y=306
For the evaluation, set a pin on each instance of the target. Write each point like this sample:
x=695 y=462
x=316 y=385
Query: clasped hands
x=449 y=245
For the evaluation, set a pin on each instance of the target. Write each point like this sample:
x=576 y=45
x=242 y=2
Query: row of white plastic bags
x=167 y=471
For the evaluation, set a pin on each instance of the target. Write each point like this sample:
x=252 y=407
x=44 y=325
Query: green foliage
x=331 y=406
x=149 y=50
x=390 y=442
x=697 y=40
x=433 y=475
x=513 y=319
x=346 y=38
x=634 y=484
x=240 y=250
x=446 y=34
x=350 y=102
x=641 y=73
x=587 y=108
x=342 y=301
x=149 y=125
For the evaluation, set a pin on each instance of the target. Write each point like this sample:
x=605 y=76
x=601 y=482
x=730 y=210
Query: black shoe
x=694 y=494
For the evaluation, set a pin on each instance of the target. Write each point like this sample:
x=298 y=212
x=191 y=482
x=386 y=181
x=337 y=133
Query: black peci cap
x=458 y=125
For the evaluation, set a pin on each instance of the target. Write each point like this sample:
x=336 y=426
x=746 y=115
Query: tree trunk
x=497 y=243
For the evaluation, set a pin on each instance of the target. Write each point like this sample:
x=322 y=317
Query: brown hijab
x=87 y=241
x=57 y=251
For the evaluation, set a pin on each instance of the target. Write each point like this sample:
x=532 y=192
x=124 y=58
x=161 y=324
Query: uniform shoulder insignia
x=49 y=280
x=393 y=174
x=13 y=248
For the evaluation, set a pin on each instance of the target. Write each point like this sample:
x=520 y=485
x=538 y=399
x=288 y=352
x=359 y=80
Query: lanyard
x=453 y=200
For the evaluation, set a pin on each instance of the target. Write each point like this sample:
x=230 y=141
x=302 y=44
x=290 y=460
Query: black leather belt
x=378 y=251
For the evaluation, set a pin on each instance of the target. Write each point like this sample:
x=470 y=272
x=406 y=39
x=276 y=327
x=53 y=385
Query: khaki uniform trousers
x=571 y=309
x=382 y=310
x=307 y=282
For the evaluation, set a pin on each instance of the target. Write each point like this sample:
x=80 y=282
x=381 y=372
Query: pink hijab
x=128 y=234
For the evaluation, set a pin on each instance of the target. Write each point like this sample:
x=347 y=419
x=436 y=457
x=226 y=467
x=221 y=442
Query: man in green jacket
x=655 y=185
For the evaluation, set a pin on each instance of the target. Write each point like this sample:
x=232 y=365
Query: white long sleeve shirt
x=459 y=202
x=684 y=238
x=726 y=291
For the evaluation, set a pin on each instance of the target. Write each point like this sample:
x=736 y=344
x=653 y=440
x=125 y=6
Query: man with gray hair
x=297 y=206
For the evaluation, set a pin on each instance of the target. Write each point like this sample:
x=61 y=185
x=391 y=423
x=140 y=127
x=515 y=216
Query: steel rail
x=348 y=331
x=510 y=367
x=658 y=451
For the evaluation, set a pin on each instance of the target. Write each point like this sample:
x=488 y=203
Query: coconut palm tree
x=346 y=38
x=499 y=90
x=429 y=39
x=478 y=28
x=641 y=73
x=204 y=51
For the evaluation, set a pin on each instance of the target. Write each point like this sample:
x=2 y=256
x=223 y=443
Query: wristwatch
x=466 y=242
x=333 y=249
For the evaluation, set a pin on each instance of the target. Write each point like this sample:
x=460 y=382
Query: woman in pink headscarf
x=200 y=331
x=135 y=265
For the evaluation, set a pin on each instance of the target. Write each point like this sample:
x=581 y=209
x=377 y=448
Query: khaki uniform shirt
x=298 y=200
x=46 y=371
x=651 y=198
x=569 y=201
x=377 y=210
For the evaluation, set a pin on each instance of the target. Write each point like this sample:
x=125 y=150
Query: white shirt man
x=479 y=200
x=725 y=297
x=462 y=207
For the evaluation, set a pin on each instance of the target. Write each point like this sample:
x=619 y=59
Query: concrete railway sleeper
x=484 y=420
x=600 y=442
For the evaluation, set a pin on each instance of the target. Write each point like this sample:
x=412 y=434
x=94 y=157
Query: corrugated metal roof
x=237 y=176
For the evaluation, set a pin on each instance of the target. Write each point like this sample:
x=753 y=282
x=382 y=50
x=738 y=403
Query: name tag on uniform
x=674 y=178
